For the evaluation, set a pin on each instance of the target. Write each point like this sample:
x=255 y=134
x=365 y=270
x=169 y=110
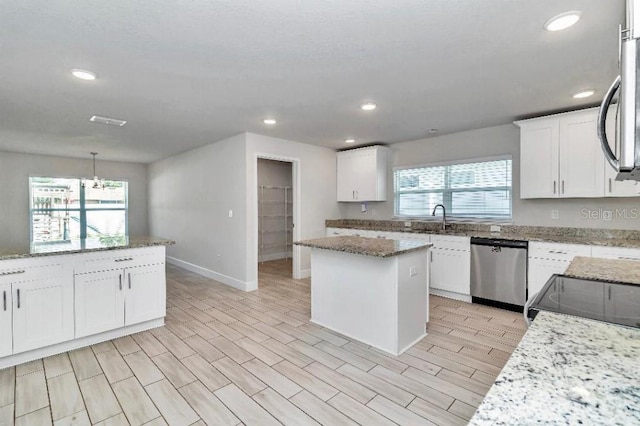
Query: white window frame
x=454 y=218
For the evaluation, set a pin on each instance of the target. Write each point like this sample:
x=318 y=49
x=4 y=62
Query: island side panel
x=413 y=298
x=355 y=295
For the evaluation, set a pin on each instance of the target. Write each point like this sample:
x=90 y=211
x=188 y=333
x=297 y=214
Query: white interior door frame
x=297 y=223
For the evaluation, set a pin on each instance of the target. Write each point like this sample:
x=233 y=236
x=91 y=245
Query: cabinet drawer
x=616 y=253
x=118 y=259
x=451 y=242
x=558 y=251
x=29 y=269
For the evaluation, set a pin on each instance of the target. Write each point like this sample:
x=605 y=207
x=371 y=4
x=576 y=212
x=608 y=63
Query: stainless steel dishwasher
x=499 y=271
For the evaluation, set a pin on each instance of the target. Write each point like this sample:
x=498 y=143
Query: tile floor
x=227 y=357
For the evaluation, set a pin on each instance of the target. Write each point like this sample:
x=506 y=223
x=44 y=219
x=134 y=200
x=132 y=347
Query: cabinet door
x=581 y=165
x=346 y=178
x=450 y=271
x=539 y=140
x=99 y=302
x=6 y=327
x=540 y=270
x=365 y=171
x=145 y=295
x=42 y=313
x=614 y=188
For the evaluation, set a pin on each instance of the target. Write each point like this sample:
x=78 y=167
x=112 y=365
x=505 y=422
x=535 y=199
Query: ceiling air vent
x=107 y=120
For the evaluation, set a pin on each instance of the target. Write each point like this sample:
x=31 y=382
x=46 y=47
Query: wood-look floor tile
x=420 y=384
x=207 y=405
x=114 y=366
x=346 y=356
x=31 y=393
x=443 y=362
x=259 y=351
x=392 y=364
x=205 y=372
x=57 y=365
x=324 y=334
x=201 y=330
x=174 y=409
x=64 y=395
x=345 y=385
x=76 y=419
x=248 y=331
x=285 y=318
x=173 y=369
x=245 y=380
x=6 y=415
x=85 y=363
x=7 y=386
x=224 y=330
x=463 y=410
x=158 y=422
x=149 y=344
x=126 y=345
x=483 y=377
x=316 y=354
x=176 y=346
x=377 y=384
x=143 y=368
x=297 y=333
x=306 y=380
x=103 y=347
x=246 y=409
x=468 y=383
x=319 y=410
x=40 y=417
x=135 y=402
x=397 y=413
x=117 y=420
x=231 y=350
x=274 y=333
x=99 y=399
x=177 y=328
x=420 y=364
x=282 y=409
x=204 y=348
x=435 y=414
x=241 y=316
x=359 y=412
x=274 y=379
x=220 y=316
x=287 y=353
x=29 y=367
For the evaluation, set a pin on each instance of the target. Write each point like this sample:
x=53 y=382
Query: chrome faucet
x=444 y=215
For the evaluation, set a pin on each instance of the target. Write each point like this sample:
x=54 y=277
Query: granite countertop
x=626 y=271
x=585 y=236
x=376 y=247
x=80 y=246
x=567 y=370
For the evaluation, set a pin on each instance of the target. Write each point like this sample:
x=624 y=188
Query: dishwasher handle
x=497 y=242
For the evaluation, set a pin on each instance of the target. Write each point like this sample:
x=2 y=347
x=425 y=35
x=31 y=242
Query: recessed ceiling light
x=108 y=120
x=269 y=121
x=584 y=94
x=83 y=74
x=562 y=21
x=369 y=106
x=349 y=141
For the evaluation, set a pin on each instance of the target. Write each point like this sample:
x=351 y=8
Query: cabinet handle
x=431 y=257
x=129 y=280
x=627 y=258
x=609 y=185
x=4 y=299
x=554 y=186
x=353 y=194
x=125 y=259
x=563 y=186
x=557 y=252
x=357 y=195
x=120 y=281
x=22 y=271
x=609 y=292
x=18 y=291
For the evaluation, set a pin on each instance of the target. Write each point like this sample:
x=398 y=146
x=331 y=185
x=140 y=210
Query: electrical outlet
x=230 y=213
x=363 y=207
x=407 y=224
x=413 y=271
x=495 y=228
x=555 y=214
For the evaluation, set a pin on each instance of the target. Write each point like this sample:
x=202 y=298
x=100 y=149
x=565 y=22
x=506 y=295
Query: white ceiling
x=186 y=73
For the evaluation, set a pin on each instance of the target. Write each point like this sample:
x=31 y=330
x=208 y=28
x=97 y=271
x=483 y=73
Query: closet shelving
x=275 y=213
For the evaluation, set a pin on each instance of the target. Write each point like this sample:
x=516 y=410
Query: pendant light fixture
x=97 y=183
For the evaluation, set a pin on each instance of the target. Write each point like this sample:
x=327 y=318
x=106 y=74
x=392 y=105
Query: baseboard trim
x=305 y=273
x=451 y=295
x=225 y=279
x=274 y=256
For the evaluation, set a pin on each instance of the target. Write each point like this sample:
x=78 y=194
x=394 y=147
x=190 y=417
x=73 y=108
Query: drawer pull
x=125 y=259
x=129 y=281
x=18 y=292
x=557 y=252
x=120 y=281
x=22 y=271
x=4 y=299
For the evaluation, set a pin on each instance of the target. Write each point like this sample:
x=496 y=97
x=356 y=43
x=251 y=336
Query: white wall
x=190 y=195
x=15 y=170
x=488 y=142
x=317 y=191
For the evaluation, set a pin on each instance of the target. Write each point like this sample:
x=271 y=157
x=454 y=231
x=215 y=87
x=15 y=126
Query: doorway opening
x=275 y=217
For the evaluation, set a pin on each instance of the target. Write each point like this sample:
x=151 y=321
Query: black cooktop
x=613 y=302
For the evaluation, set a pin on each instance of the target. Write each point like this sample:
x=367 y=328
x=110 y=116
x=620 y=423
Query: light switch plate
x=230 y=213
x=555 y=214
x=413 y=271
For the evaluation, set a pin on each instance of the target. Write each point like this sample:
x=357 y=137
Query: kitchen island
x=62 y=296
x=372 y=290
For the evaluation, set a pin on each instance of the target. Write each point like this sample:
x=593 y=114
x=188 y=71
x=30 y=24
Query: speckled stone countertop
x=626 y=271
x=587 y=236
x=375 y=247
x=565 y=371
x=80 y=246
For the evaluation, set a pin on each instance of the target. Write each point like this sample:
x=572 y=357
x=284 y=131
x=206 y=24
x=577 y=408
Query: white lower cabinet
x=546 y=259
x=6 y=326
x=540 y=270
x=107 y=300
x=451 y=264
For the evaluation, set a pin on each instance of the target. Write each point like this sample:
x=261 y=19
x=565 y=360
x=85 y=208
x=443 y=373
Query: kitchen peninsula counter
x=372 y=290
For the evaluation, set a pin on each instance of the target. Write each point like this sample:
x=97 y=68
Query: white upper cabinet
x=362 y=174
x=560 y=157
